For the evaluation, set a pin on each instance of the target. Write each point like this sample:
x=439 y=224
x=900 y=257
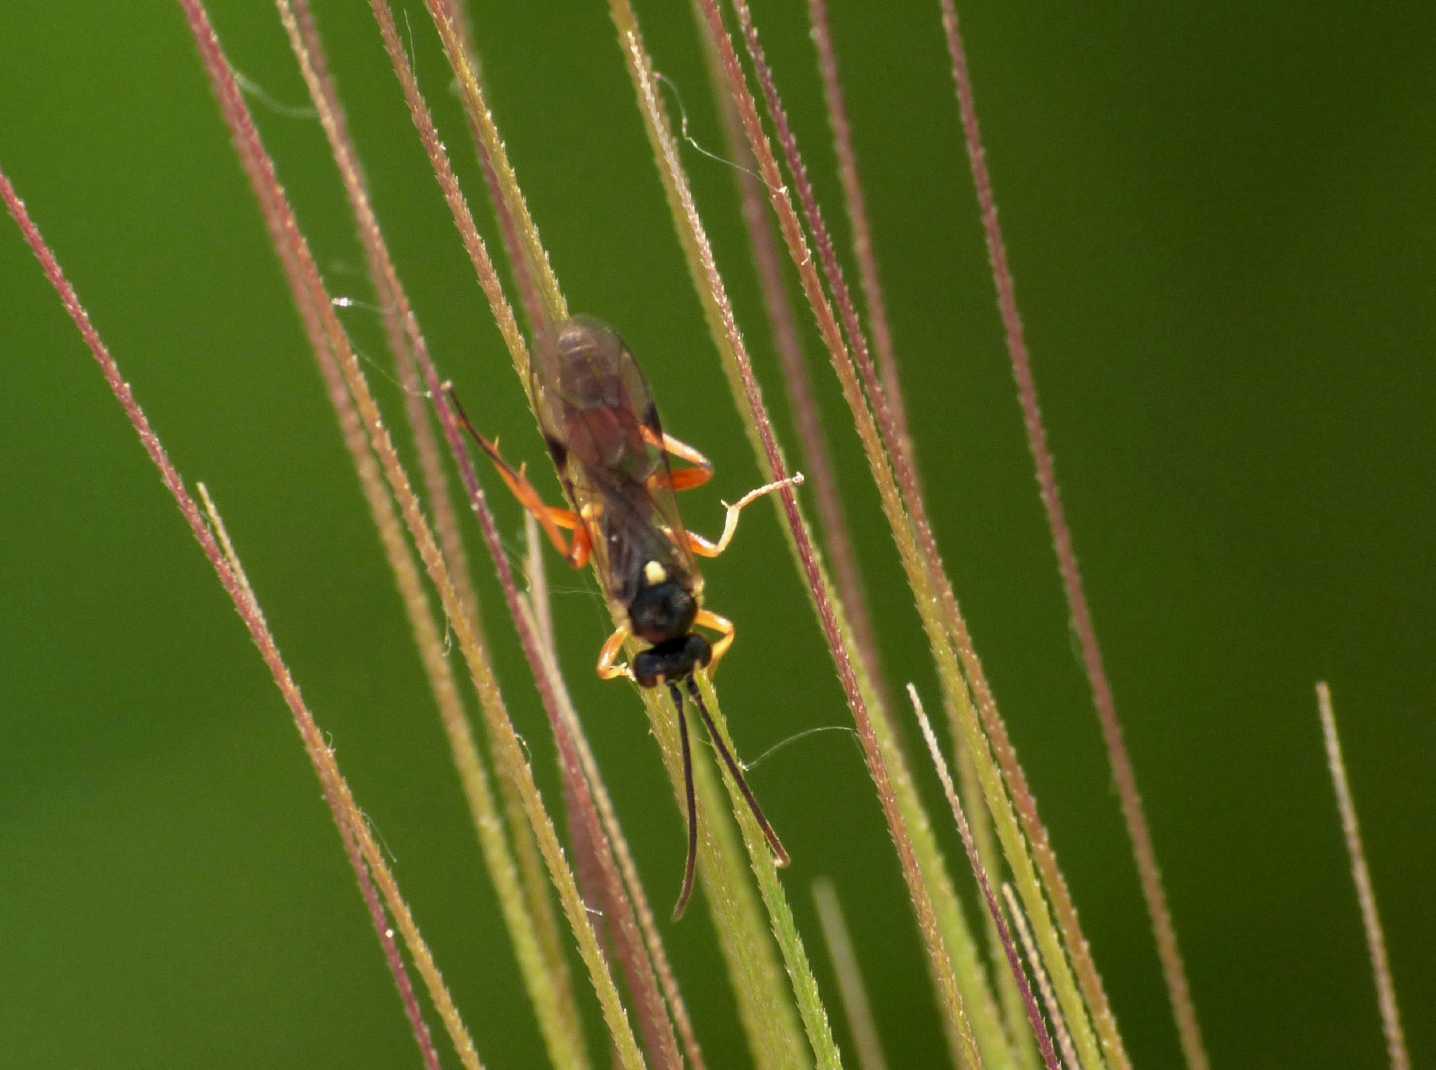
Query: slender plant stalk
x=916 y=546
x=392 y=955
x=783 y=324
x=969 y=789
x=994 y=909
x=922 y=561
x=308 y=47
x=526 y=909
x=1143 y=850
x=805 y=989
x=488 y=276
x=541 y=615
x=851 y=989
x=889 y=392
x=653 y=942
x=516 y=250
x=310 y=294
x=639 y=969
x=865 y=256
x=1044 y=986
x=347 y=815
x=765 y=1011
x=857 y=211
x=1399 y=1057
x=884 y=761
x=536 y=261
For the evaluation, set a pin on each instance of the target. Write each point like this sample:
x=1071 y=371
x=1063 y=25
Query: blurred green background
x=1221 y=221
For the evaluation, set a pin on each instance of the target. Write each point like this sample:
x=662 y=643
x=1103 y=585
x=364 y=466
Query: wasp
x=601 y=426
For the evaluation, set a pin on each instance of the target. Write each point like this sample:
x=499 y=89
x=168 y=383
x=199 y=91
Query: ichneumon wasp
x=598 y=418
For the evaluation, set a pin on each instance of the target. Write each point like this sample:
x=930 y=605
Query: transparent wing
x=603 y=430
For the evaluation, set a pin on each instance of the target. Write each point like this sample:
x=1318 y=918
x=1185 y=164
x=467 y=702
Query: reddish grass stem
x=522 y=887
x=807 y=420
x=331 y=344
x=856 y=203
x=335 y=792
x=1396 y=1052
x=631 y=952
x=1123 y=773
x=959 y=1029
x=1044 y=986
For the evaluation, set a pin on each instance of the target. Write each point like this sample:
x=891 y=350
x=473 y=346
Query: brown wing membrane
x=602 y=428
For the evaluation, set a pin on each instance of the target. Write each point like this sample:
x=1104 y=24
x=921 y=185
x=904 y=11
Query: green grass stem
x=883 y=759
x=526 y=909
x=348 y=817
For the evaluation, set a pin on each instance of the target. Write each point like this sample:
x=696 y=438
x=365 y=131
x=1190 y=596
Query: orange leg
x=704 y=548
x=608 y=667
x=726 y=634
x=551 y=519
x=688 y=478
x=684 y=478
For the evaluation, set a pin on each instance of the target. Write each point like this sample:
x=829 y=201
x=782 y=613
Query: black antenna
x=687 y=892
x=780 y=856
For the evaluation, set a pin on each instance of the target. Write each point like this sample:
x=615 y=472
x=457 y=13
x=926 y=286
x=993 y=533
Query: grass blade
x=856 y=205
x=797 y=380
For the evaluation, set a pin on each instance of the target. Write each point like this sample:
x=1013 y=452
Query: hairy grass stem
x=833 y=524
x=1044 y=986
x=310 y=294
x=994 y=909
x=525 y=908
x=349 y=819
x=884 y=761
x=1133 y=813
x=759 y=989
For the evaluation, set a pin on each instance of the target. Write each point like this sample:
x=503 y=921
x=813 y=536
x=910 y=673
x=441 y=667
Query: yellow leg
x=608 y=667
x=703 y=548
x=726 y=634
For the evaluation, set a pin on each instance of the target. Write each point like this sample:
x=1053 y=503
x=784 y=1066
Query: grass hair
x=1009 y=946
